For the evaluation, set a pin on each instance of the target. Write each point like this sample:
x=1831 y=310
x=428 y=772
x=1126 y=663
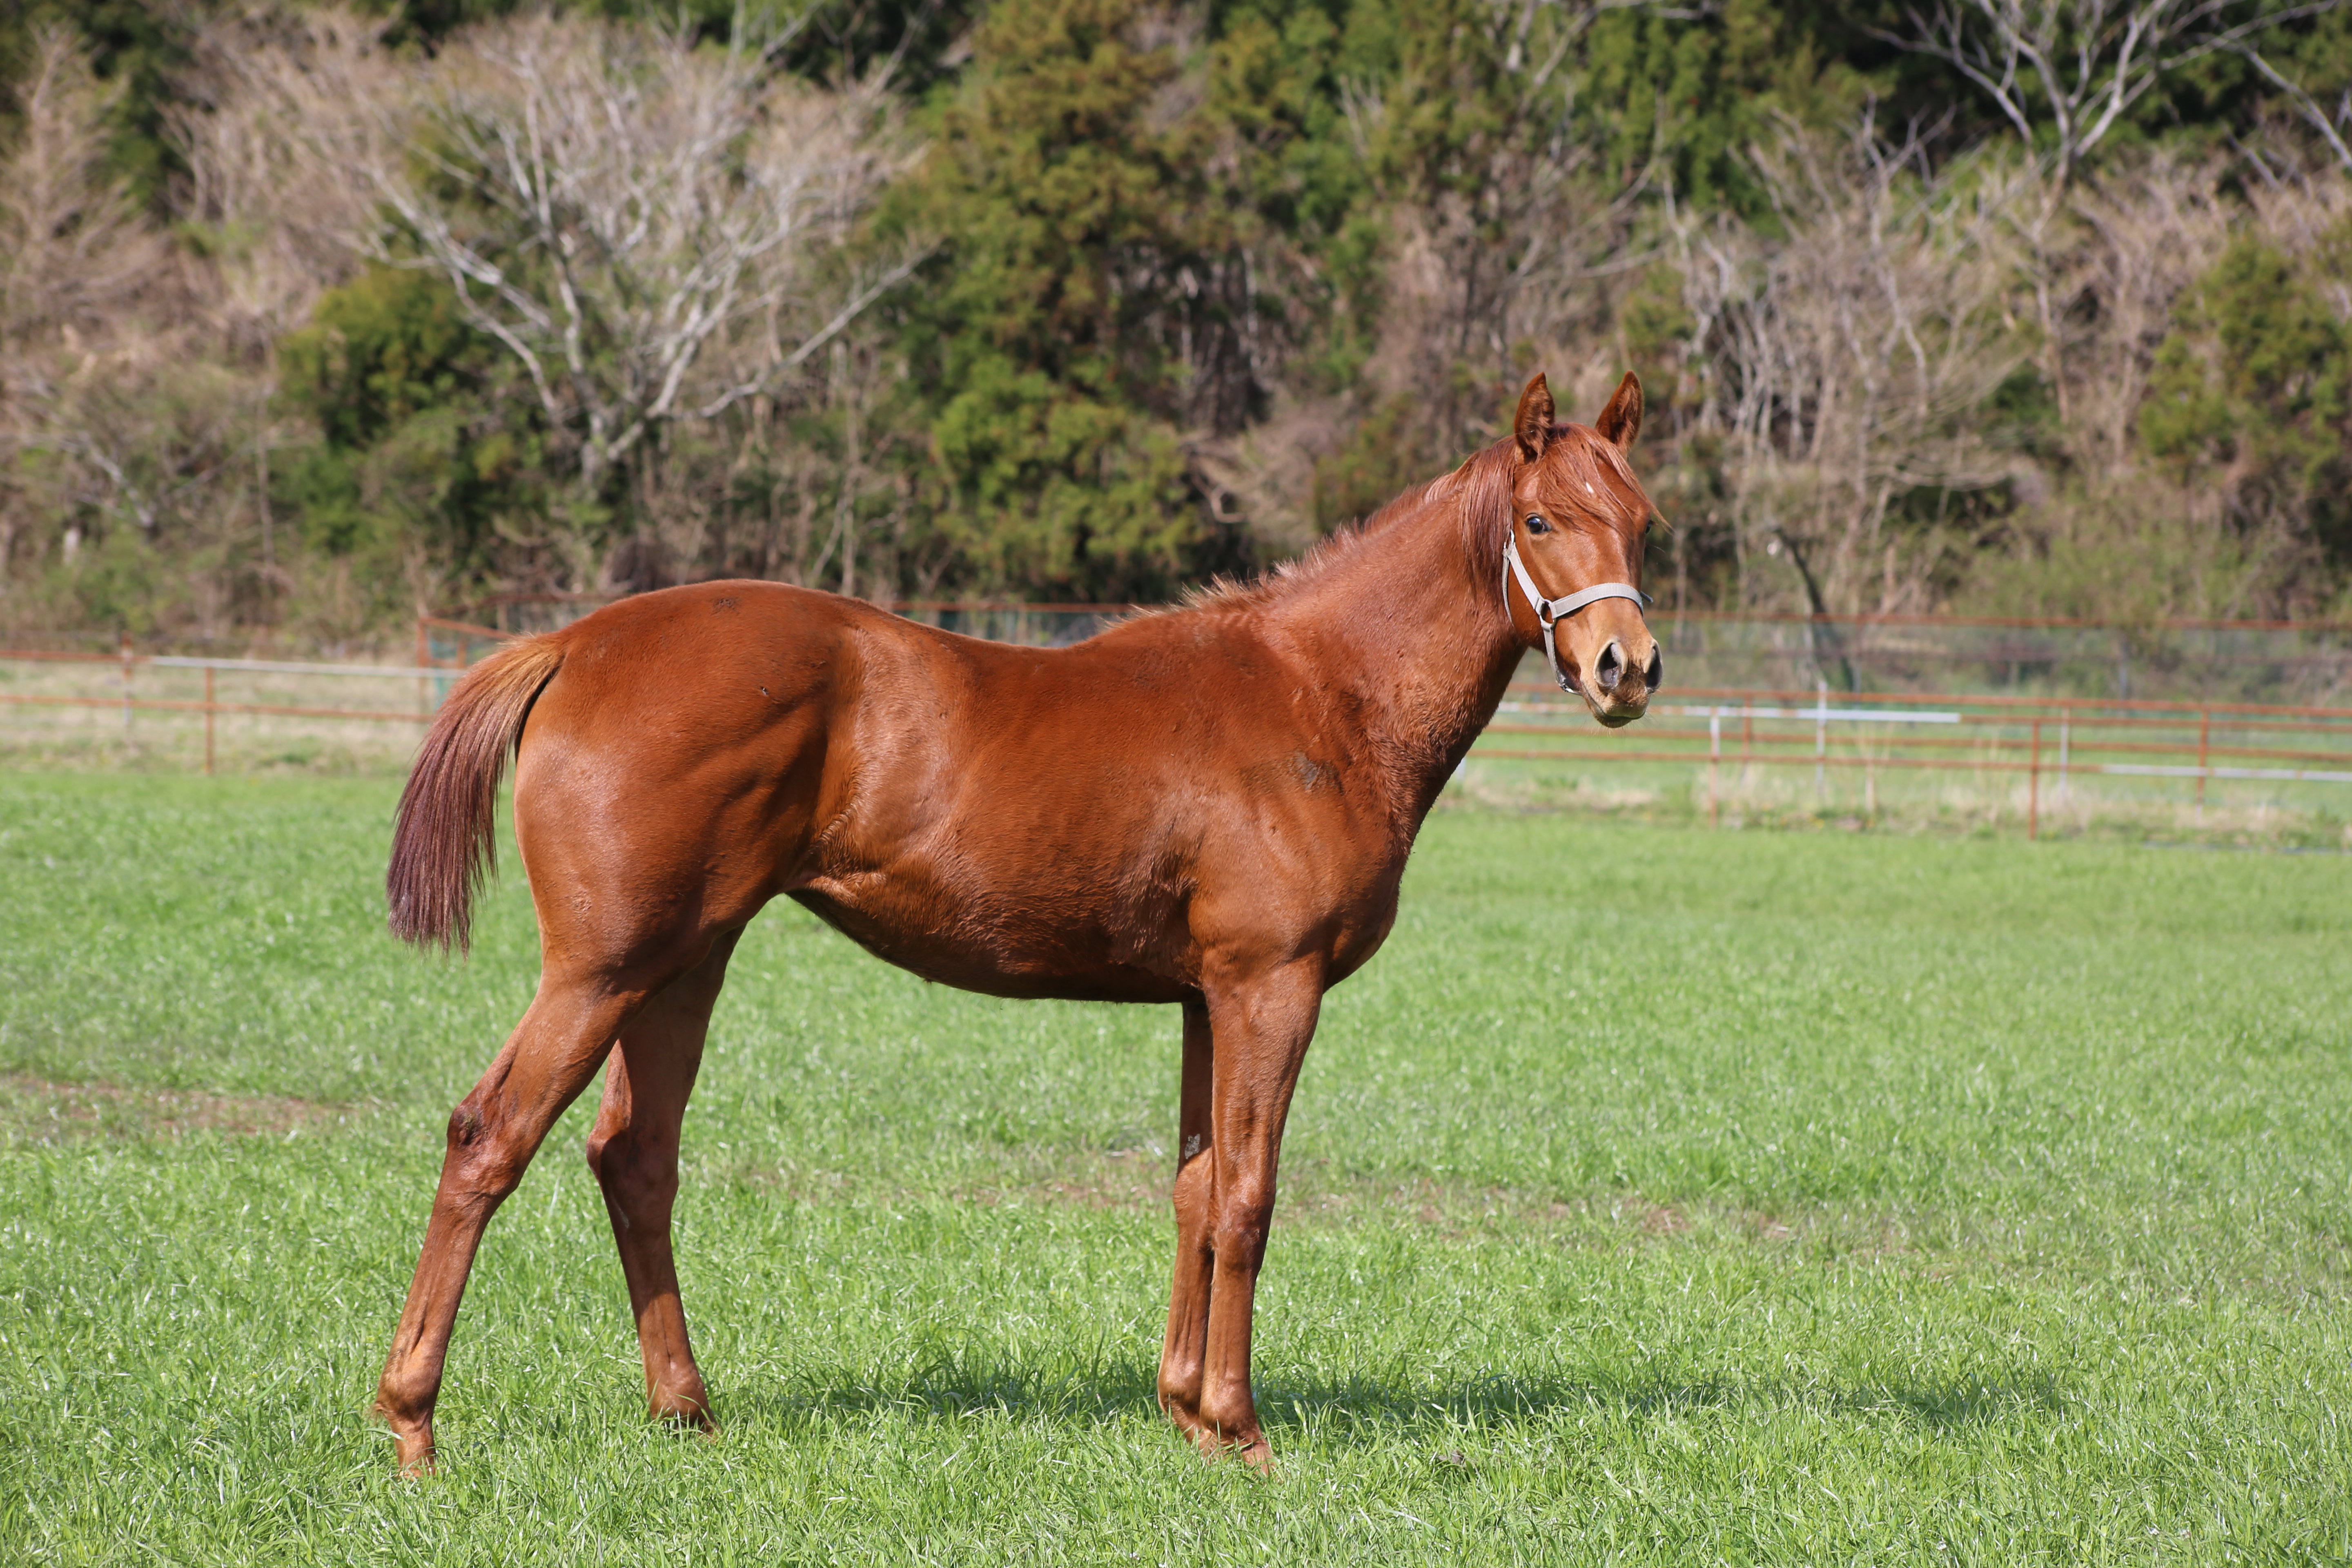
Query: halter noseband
x=1550 y=610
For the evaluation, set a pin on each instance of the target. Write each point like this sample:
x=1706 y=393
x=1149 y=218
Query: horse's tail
x=446 y=846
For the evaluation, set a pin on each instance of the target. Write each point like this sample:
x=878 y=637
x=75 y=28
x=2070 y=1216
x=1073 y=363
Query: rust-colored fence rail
x=1725 y=736
x=130 y=678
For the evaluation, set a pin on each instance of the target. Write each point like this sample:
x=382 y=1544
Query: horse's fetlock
x=1179 y=1389
x=407 y=1401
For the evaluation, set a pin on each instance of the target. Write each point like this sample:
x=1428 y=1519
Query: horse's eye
x=1536 y=524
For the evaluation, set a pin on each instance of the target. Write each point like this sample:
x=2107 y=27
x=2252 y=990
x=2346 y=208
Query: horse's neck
x=1413 y=632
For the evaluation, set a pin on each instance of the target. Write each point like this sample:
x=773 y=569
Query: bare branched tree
x=1499 y=235
x=276 y=224
x=1846 y=355
x=2077 y=67
x=2139 y=239
x=73 y=245
x=78 y=260
x=642 y=224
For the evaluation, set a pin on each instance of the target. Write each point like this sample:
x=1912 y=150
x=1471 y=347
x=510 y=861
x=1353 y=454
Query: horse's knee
x=1194 y=1194
x=1243 y=1217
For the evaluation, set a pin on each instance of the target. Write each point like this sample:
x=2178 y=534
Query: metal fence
x=85 y=704
x=2013 y=718
x=2294 y=664
x=1855 y=749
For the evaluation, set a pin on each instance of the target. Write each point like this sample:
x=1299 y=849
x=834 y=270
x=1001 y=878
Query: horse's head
x=1572 y=570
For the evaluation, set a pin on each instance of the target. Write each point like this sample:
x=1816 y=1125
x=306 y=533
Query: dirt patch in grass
x=34 y=1110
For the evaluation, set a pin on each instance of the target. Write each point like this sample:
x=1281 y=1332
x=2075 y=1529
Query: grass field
x=1658 y=1196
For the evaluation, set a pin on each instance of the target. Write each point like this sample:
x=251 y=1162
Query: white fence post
x=1820 y=739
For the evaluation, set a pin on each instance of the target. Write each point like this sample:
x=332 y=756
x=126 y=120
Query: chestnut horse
x=1208 y=806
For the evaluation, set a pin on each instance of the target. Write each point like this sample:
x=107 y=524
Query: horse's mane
x=1479 y=494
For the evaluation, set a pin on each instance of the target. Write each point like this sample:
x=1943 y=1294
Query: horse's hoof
x=1255 y=1452
x=685 y=1411
x=414 y=1439
x=416 y=1453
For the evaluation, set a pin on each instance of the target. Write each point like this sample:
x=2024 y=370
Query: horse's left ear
x=1532 y=426
x=1622 y=420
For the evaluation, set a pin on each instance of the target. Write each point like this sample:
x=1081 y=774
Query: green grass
x=1658 y=1196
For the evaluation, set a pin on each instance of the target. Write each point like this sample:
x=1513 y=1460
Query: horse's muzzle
x=1618 y=693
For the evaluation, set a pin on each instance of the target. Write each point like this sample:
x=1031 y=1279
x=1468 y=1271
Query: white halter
x=1550 y=610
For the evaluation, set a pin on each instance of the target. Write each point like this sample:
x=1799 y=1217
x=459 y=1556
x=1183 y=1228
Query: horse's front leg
x=1181 y=1358
x=1261 y=1024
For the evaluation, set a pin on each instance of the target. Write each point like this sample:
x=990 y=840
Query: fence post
x=1820 y=739
x=2065 y=722
x=424 y=658
x=208 y=720
x=126 y=685
x=2033 y=788
x=2204 y=733
x=1713 y=761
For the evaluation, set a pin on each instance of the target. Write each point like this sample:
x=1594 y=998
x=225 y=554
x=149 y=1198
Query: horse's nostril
x=1657 y=673
x=1610 y=667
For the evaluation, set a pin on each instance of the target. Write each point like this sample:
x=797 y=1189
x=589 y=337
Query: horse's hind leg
x=633 y=1153
x=493 y=1134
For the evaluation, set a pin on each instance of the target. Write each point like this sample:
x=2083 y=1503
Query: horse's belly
x=1004 y=952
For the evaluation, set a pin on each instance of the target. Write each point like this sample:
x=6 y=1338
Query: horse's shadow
x=963 y=1386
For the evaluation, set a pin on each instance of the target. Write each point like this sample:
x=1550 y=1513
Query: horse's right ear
x=1622 y=420
x=1532 y=427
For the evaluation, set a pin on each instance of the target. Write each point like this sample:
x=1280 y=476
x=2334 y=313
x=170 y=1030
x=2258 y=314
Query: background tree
x=316 y=318
x=613 y=206
x=1046 y=347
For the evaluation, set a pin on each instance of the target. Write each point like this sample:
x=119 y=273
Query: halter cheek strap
x=1550 y=610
